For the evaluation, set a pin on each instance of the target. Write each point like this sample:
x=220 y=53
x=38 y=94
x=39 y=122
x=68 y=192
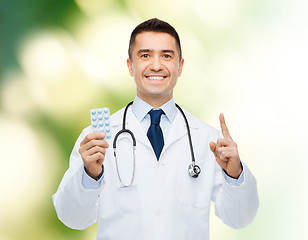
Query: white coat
x=165 y=203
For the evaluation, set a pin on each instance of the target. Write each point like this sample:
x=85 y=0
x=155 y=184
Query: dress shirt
x=141 y=110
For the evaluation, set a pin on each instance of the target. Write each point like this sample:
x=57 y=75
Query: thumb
x=213 y=147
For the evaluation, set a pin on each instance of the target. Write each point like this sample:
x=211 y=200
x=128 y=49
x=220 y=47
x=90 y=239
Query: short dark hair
x=154 y=25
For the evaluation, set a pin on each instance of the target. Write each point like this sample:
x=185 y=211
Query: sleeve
x=233 y=181
x=236 y=205
x=76 y=206
x=90 y=183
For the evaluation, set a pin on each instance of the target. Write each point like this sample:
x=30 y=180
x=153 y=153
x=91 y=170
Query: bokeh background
x=59 y=58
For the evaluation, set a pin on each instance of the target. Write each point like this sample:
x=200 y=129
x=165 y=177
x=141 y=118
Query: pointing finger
x=224 y=129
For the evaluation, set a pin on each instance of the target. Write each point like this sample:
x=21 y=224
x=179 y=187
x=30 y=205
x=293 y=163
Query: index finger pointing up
x=224 y=129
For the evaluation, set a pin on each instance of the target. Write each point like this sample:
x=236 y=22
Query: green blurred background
x=58 y=59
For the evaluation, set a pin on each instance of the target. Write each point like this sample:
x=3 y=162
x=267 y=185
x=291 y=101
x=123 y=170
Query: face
x=155 y=65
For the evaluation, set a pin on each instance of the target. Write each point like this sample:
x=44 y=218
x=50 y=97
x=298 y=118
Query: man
x=164 y=201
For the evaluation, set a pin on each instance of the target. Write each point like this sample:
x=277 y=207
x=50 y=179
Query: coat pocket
x=193 y=192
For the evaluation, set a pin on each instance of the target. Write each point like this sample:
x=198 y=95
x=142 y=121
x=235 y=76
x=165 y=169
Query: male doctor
x=164 y=202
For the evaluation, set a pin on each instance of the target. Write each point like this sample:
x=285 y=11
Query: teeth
x=155 y=77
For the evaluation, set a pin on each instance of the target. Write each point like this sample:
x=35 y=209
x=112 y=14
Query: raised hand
x=92 y=150
x=225 y=151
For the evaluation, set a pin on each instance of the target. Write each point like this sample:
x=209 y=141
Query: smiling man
x=169 y=195
x=155 y=69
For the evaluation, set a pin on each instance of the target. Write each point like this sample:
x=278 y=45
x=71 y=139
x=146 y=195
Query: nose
x=156 y=64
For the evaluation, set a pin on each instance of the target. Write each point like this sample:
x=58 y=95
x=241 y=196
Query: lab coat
x=165 y=202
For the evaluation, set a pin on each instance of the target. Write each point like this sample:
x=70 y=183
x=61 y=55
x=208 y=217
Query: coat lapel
x=178 y=129
x=133 y=124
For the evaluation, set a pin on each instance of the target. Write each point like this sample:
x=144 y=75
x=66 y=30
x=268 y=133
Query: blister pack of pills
x=100 y=120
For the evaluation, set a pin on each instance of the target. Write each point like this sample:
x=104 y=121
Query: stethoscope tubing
x=189 y=135
x=193 y=169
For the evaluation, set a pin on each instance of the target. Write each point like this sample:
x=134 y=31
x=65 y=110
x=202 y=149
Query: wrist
x=95 y=174
x=235 y=175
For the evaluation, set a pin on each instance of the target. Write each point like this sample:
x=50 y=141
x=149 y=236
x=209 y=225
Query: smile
x=155 y=77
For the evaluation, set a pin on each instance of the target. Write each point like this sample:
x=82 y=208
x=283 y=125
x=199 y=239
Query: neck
x=155 y=102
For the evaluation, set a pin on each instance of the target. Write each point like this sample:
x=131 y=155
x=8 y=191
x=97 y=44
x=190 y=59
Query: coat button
x=158 y=212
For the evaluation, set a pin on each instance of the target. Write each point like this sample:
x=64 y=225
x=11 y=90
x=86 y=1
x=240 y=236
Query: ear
x=181 y=66
x=130 y=67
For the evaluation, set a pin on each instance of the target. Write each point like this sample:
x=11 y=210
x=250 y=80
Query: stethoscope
x=193 y=169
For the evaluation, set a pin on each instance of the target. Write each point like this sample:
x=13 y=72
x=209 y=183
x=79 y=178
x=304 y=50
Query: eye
x=145 y=55
x=166 y=56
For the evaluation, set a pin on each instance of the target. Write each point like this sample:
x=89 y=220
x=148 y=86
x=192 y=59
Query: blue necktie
x=155 y=133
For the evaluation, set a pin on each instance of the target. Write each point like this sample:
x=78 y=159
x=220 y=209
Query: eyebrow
x=143 y=51
x=168 y=51
x=151 y=50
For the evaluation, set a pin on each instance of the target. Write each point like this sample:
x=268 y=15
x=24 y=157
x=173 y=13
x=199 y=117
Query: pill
x=100 y=121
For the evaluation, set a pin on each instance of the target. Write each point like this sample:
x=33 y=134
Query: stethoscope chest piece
x=194 y=170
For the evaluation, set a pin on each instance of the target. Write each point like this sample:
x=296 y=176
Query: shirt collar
x=141 y=109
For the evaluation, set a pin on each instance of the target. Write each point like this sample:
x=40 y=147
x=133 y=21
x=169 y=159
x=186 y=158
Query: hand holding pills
x=93 y=146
